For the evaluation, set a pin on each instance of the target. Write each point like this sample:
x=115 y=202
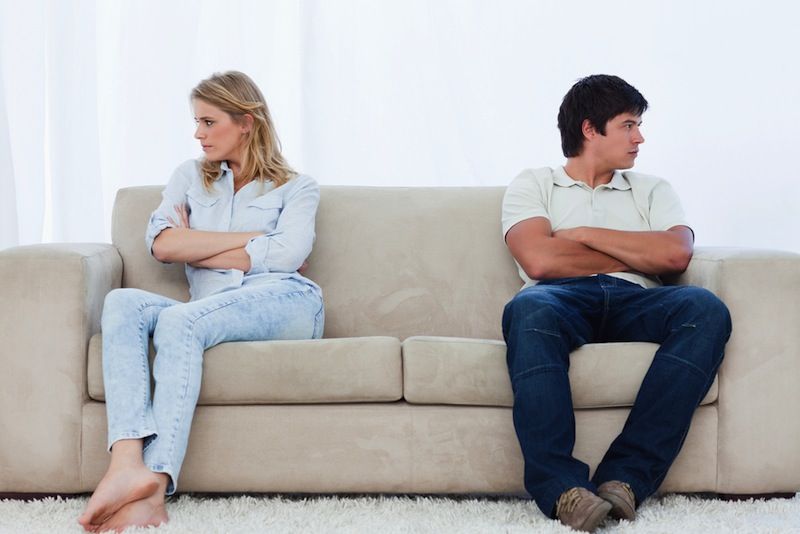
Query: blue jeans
x=283 y=309
x=544 y=323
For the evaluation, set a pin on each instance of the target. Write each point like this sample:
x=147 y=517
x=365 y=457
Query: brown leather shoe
x=580 y=509
x=621 y=497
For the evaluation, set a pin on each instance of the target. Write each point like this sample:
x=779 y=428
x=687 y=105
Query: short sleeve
x=665 y=208
x=525 y=198
x=174 y=193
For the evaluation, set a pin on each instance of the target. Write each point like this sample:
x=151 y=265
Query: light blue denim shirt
x=285 y=214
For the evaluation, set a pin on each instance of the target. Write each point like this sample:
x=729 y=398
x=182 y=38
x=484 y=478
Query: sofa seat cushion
x=442 y=370
x=365 y=369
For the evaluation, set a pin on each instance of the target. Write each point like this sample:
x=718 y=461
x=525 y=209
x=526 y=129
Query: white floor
x=412 y=515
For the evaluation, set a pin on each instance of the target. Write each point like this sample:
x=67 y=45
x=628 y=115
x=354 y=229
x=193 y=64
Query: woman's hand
x=183 y=216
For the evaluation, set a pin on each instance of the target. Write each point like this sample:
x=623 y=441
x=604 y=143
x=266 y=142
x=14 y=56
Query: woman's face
x=221 y=138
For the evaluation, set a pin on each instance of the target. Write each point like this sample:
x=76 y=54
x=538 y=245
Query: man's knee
x=708 y=309
x=533 y=310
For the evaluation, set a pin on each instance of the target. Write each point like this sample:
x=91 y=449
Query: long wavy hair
x=236 y=94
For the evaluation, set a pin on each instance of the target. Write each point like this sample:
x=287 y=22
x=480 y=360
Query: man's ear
x=588 y=129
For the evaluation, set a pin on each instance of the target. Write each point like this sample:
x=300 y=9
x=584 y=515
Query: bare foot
x=142 y=513
x=120 y=486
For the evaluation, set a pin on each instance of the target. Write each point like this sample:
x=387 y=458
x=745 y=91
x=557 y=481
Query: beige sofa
x=408 y=392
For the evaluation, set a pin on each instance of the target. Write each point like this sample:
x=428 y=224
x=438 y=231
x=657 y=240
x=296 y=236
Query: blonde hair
x=236 y=94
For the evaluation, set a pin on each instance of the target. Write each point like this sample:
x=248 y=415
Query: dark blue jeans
x=544 y=323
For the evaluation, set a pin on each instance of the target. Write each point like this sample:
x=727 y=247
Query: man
x=591 y=242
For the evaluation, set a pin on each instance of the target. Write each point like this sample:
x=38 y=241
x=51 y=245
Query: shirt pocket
x=202 y=209
x=262 y=212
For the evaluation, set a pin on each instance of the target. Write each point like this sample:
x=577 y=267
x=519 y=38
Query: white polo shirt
x=630 y=201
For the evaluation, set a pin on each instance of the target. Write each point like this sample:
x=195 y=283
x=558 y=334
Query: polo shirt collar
x=618 y=180
x=560 y=177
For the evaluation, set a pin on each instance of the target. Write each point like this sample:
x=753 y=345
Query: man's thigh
x=564 y=305
x=638 y=314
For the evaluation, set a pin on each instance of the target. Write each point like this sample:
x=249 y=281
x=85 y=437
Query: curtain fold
x=9 y=235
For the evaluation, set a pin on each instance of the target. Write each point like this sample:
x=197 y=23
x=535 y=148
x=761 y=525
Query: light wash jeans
x=283 y=309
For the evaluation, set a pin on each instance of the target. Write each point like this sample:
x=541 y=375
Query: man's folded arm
x=543 y=256
x=655 y=253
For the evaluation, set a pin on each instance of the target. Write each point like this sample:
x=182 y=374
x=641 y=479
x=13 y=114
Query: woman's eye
x=209 y=123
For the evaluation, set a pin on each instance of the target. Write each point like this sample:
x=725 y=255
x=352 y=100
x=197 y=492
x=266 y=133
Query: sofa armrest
x=759 y=380
x=52 y=298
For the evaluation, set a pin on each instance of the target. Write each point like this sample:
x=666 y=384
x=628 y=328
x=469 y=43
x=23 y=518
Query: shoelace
x=629 y=491
x=568 y=501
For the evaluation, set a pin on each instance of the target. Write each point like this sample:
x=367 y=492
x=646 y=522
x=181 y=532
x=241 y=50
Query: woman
x=243 y=222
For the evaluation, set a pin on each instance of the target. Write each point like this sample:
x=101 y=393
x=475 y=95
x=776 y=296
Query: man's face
x=620 y=146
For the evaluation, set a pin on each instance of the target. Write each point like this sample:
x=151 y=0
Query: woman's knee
x=123 y=298
x=173 y=320
x=121 y=306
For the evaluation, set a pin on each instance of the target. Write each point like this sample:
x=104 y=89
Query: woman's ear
x=247 y=123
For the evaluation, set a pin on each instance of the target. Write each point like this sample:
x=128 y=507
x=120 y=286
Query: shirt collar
x=223 y=166
x=618 y=180
x=560 y=177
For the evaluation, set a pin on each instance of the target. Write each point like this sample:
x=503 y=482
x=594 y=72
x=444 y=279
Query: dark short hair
x=599 y=98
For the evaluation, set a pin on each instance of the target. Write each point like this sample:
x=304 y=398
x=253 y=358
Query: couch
x=407 y=392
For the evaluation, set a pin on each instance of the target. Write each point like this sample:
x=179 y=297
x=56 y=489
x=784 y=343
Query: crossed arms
x=583 y=251
x=211 y=250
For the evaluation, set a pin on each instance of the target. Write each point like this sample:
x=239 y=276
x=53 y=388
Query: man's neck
x=581 y=169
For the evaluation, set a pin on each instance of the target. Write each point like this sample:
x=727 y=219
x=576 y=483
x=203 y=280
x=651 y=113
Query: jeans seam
x=145 y=359
x=539 y=369
x=709 y=380
x=687 y=363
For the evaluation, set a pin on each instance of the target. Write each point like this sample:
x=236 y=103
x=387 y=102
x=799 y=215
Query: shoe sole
x=620 y=509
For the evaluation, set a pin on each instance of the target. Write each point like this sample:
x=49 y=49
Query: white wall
x=409 y=93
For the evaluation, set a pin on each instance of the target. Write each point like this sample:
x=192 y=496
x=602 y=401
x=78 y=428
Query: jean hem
x=549 y=498
x=143 y=434
x=172 y=483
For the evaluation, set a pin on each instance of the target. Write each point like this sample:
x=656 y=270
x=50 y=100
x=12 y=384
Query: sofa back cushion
x=391 y=261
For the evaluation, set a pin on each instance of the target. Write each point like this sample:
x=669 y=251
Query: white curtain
x=93 y=97
x=9 y=234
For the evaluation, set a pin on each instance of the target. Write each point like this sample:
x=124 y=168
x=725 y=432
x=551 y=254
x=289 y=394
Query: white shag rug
x=410 y=515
